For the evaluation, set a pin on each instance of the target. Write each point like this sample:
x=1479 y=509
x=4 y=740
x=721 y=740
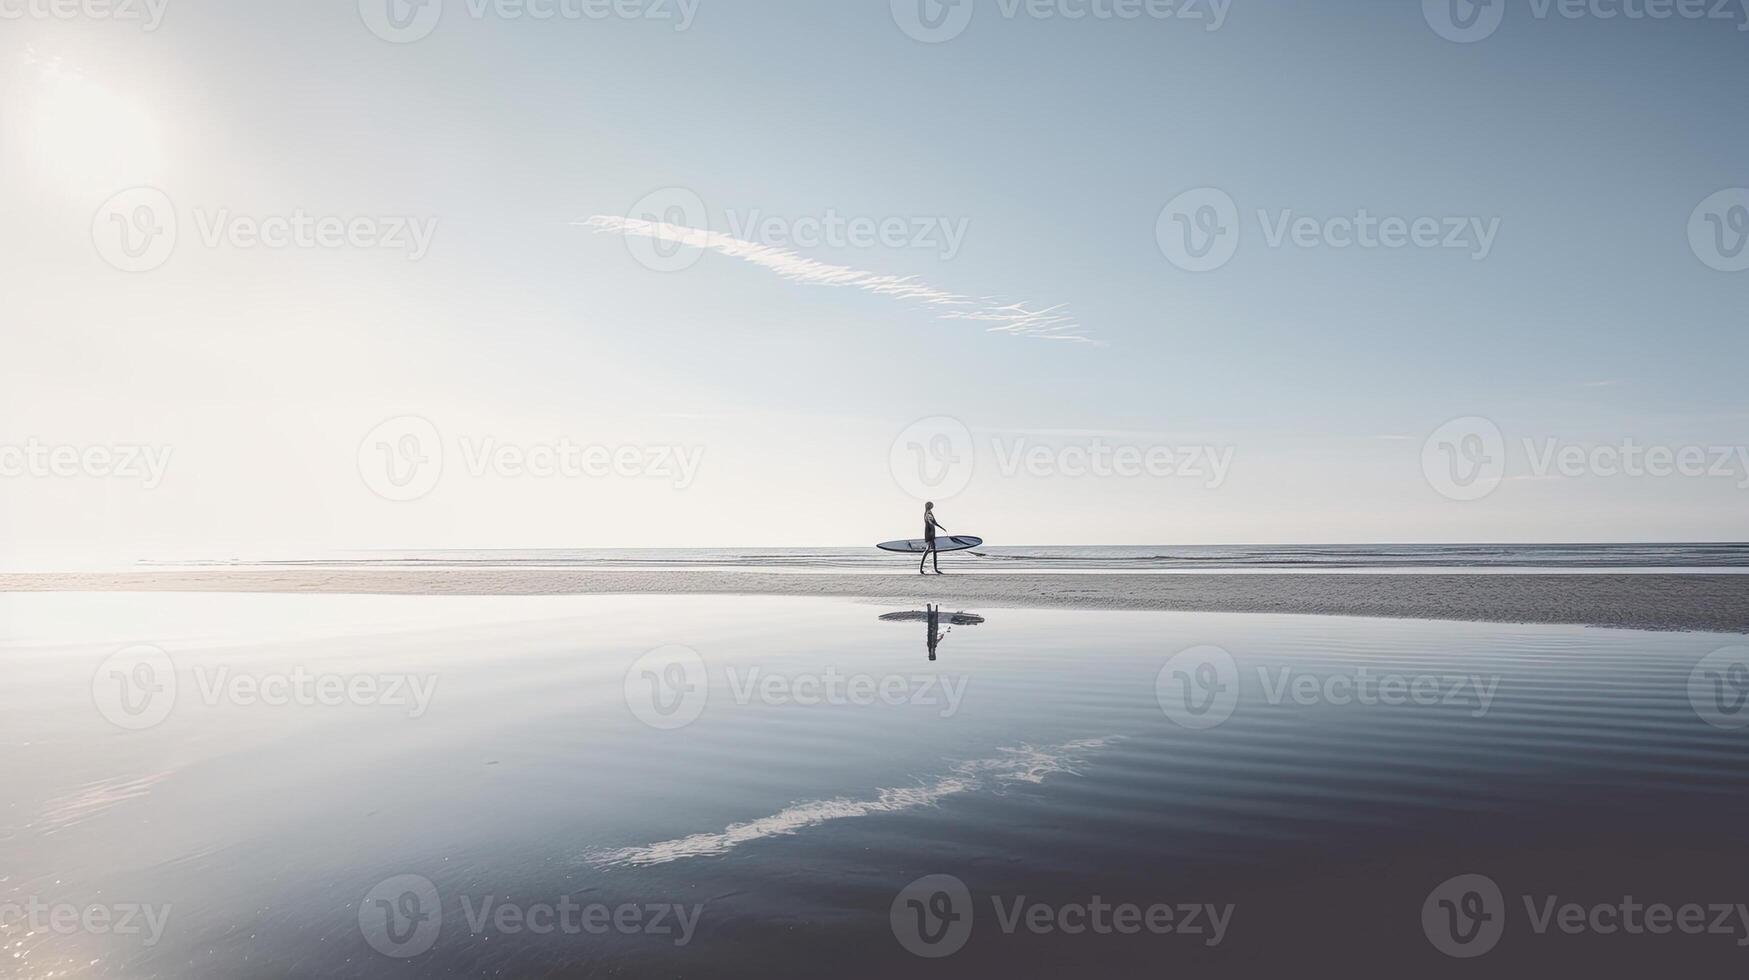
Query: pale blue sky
x=1056 y=142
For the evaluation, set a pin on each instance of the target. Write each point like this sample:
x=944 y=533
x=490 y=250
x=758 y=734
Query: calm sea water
x=353 y=786
x=1107 y=558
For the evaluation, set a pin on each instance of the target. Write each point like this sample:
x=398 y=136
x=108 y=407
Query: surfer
x=929 y=526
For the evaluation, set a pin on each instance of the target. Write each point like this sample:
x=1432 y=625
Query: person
x=929 y=526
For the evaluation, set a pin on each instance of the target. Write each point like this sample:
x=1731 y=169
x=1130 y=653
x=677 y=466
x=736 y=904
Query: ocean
x=1077 y=558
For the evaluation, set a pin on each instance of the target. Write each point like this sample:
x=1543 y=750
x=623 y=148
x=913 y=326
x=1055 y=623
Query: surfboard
x=922 y=616
x=943 y=542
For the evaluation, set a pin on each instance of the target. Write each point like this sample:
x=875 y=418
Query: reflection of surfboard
x=944 y=542
x=920 y=616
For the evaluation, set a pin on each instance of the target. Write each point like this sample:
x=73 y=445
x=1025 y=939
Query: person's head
x=929 y=505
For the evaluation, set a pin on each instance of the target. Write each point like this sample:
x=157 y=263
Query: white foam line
x=1024 y=764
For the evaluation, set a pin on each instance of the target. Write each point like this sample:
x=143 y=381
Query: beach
x=1643 y=600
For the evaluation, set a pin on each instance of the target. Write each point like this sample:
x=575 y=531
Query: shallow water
x=720 y=786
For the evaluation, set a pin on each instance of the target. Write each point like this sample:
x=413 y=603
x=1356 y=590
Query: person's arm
x=937 y=523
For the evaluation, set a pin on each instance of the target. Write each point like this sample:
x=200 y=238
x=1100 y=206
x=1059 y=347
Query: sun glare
x=74 y=136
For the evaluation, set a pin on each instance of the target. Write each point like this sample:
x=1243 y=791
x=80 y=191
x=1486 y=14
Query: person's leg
x=935 y=554
x=925 y=558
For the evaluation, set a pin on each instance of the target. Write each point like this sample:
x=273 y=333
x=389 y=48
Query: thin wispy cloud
x=1019 y=319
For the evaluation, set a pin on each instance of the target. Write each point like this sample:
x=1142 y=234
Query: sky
x=288 y=279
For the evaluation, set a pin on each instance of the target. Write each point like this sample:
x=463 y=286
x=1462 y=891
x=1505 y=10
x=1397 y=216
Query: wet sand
x=1635 y=601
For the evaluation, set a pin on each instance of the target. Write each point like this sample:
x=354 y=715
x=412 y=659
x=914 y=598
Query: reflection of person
x=929 y=526
x=933 y=636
